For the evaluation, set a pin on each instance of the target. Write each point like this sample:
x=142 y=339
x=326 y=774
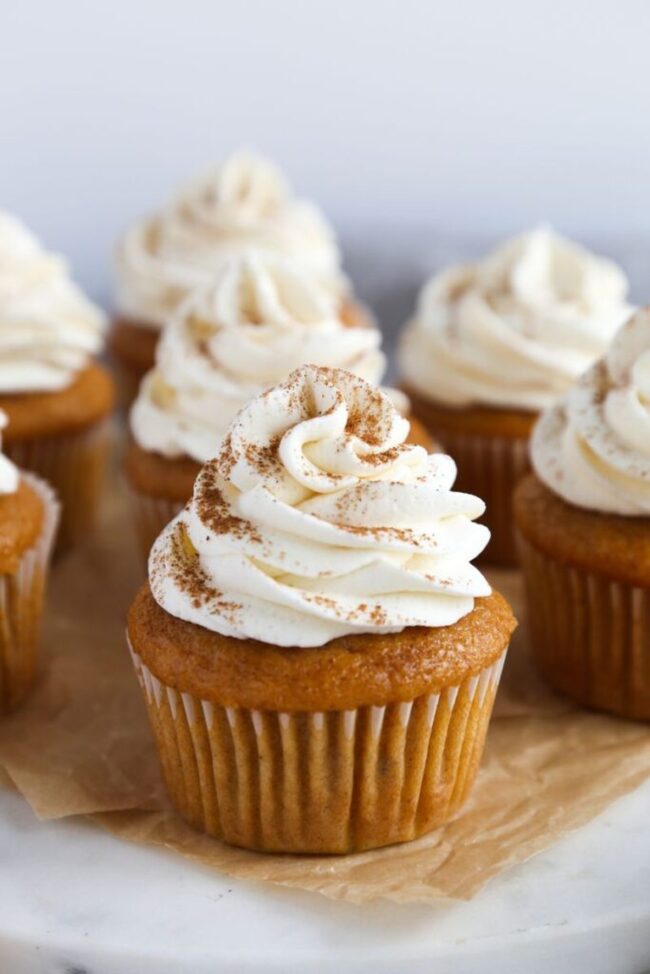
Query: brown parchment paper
x=81 y=746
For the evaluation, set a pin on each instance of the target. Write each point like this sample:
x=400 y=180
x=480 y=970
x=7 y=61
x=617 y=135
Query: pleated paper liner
x=490 y=467
x=590 y=634
x=326 y=782
x=150 y=516
x=75 y=465
x=21 y=606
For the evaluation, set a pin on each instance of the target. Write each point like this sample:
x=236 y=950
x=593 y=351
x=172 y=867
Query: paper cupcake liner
x=21 y=606
x=150 y=516
x=490 y=467
x=326 y=782
x=74 y=464
x=590 y=634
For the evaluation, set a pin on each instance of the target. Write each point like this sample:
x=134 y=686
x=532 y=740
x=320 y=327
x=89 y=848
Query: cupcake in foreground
x=29 y=515
x=584 y=525
x=494 y=343
x=244 y=203
x=318 y=655
x=57 y=399
x=260 y=318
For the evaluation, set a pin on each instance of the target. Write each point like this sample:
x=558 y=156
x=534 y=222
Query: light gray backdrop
x=423 y=128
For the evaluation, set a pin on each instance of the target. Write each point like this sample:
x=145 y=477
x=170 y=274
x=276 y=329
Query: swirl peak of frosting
x=8 y=471
x=243 y=190
x=516 y=329
x=48 y=328
x=317 y=520
x=593 y=447
x=260 y=318
x=241 y=204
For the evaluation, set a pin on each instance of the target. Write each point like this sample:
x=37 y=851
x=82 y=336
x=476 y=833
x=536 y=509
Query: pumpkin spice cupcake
x=244 y=203
x=260 y=318
x=29 y=514
x=495 y=342
x=318 y=655
x=57 y=399
x=584 y=524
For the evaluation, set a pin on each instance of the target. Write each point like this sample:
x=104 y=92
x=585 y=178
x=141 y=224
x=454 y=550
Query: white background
x=409 y=121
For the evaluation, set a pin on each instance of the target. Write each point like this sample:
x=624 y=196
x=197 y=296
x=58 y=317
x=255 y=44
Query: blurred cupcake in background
x=56 y=397
x=319 y=657
x=241 y=204
x=29 y=514
x=260 y=318
x=493 y=343
x=583 y=519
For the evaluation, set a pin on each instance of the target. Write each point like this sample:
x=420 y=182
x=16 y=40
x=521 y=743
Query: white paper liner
x=590 y=634
x=323 y=782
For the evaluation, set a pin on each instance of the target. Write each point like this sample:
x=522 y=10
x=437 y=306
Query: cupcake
x=242 y=204
x=260 y=318
x=318 y=655
x=494 y=343
x=57 y=399
x=29 y=515
x=583 y=519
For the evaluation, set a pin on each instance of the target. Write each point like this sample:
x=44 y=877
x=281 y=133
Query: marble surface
x=78 y=901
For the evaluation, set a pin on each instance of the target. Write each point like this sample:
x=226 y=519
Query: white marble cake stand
x=74 y=900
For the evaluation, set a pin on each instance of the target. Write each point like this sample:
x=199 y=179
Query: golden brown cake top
x=348 y=672
x=21 y=520
x=485 y=421
x=615 y=546
x=156 y=476
x=86 y=400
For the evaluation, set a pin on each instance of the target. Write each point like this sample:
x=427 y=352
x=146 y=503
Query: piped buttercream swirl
x=261 y=318
x=317 y=520
x=516 y=329
x=593 y=448
x=48 y=328
x=242 y=204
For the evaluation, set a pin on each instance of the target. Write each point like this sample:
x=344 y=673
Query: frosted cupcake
x=56 y=397
x=494 y=343
x=318 y=655
x=242 y=204
x=584 y=524
x=261 y=318
x=29 y=515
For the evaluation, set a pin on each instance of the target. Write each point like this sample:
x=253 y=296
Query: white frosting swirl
x=242 y=204
x=8 y=471
x=48 y=329
x=516 y=329
x=593 y=449
x=316 y=520
x=260 y=319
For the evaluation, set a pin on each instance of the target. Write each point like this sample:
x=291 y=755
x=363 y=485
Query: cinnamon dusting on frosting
x=316 y=519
